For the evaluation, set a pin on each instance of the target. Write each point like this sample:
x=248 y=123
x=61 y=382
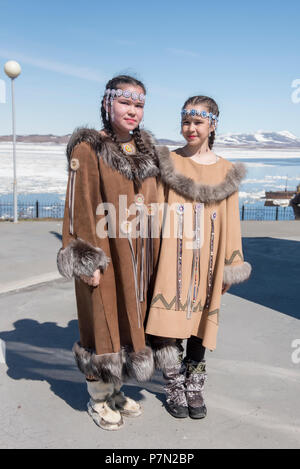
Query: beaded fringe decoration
x=195 y=272
x=135 y=273
x=149 y=246
x=180 y=213
x=142 y=255
x=139 y=202
x=211 y=258
x=126 y=228
x=71 y=200
x=138 y=260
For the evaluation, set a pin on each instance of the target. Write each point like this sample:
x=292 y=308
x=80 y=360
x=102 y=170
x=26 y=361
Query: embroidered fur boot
x=125 y=405
x=168 y=358
x=176 y=402
x=101 y=405
x=194 y=382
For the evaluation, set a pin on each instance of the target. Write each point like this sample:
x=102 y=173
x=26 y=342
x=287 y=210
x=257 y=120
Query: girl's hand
x=94 y=280
x=225 y=287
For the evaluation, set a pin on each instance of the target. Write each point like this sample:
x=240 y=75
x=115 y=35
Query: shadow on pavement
x=274 y=281
x=57 y=235
x=43 y=352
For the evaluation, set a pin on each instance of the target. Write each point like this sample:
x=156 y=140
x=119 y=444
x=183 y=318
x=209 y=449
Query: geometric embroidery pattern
x=215 y=311
x=233 y=255
x=167 y=305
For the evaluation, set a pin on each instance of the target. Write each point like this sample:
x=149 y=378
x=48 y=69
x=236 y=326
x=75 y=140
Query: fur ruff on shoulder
x=135 y=168
x=194 y=191
x=115 y=367
x=81 y=258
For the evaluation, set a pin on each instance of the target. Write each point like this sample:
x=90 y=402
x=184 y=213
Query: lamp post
x=13 y=70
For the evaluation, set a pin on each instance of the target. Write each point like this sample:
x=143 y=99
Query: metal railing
x=266 y=213
x=56 y=210
x=32 y=210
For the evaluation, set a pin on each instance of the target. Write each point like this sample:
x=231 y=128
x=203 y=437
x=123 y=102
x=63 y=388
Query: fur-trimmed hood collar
x=194 y=191
x=135 y=168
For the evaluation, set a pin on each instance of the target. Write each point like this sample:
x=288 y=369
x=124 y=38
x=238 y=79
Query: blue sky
x=245 y=55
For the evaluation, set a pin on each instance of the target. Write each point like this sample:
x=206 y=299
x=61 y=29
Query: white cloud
x=182 y=52
x=65 y=69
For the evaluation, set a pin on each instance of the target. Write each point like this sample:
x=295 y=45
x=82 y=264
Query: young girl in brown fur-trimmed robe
x=112 y=273
x=200 y=192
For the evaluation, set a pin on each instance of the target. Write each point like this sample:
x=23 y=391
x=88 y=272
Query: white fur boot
x=99 y=406
x=126 y=406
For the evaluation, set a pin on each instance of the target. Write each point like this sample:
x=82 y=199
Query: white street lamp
x=13 y=70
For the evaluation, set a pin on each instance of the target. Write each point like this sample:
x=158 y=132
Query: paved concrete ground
x=253 y=388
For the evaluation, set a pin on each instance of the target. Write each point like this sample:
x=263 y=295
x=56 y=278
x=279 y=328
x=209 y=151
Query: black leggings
x=194 y=349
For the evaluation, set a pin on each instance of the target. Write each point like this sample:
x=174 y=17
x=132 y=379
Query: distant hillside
x=259 y=139
x=62 y=139
x=37 y=138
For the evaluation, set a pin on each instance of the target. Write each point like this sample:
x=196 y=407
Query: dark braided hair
x=212 y=107
x=113 y=84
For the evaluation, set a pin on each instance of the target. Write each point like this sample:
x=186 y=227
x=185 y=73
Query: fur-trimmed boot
x=195 y=379
x=101 y=405
x=168 y=358
x=125 y=405
x=176 y=402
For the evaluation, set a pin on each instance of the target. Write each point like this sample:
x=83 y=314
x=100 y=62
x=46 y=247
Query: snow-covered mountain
x=260 y=139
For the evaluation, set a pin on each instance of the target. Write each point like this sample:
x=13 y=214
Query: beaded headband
x=204 y=114
x=112 y=93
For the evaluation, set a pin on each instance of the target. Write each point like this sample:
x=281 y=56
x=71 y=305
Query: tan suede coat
x=187 y=182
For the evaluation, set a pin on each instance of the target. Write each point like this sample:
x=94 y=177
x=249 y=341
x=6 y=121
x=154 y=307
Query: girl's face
x=127 y=113
x=196 y=129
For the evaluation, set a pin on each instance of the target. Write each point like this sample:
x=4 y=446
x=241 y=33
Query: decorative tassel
x=180 y=212
x=72 y=200
x=142 y=254
x=211 y=258
x=195 y=272
x=126 y=228
x=199 y=208
x=139 y=202
x=149 y=246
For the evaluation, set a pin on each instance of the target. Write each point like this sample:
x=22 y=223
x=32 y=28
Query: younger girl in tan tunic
x=200 y=256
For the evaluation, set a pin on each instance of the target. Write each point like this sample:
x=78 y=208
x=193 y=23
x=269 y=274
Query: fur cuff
x=236 y=273
x=107 y=367
x=166 y=352
x=115 y=367
x=140 y=365
x=81 y=258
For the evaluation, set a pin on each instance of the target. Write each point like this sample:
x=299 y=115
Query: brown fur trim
x=236 y=273
x=194 y=191
x=166 y=352
x=115 y=367
x=81 y=258
x=107 y=367
x=134 y=168
x=140 y=365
